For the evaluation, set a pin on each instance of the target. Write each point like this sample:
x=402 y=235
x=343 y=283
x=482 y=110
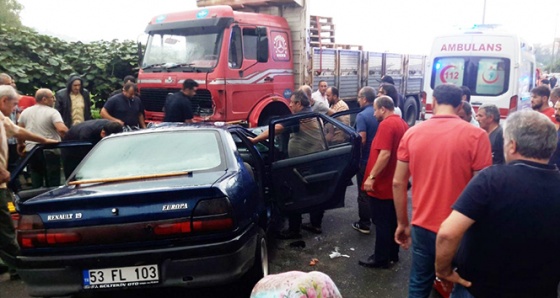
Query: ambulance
x=497 y=66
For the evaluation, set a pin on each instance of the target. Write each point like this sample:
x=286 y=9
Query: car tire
x=260 y=266
x=410 y=112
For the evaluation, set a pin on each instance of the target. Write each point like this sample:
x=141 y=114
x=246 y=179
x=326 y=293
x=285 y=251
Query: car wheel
x=260 y=266
x=410 y=111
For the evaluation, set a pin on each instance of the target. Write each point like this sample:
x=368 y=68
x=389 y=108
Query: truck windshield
x=485 y=76
x=188 y=52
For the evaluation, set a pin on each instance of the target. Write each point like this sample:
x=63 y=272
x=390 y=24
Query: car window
x=48 y=168
x=153 y=153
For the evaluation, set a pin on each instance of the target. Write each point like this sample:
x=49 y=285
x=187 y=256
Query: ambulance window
x=235 y=49
x=250 y=43
x=491 y=76
x=448 y=70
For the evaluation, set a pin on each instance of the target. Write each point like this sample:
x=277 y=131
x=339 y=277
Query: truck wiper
x=154 y=65
x=180 y=65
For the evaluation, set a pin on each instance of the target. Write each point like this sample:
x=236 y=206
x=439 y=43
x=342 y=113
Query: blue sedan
x=176 y=205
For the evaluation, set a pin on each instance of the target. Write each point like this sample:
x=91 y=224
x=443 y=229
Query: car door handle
x=268 y=79
x=300 y=176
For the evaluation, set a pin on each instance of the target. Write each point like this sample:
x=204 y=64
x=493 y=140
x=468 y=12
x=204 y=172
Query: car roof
x=177 y=126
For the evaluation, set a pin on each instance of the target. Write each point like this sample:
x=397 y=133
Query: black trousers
x=316 y=219
x=364 y=211
x=7 y=233
x=383 y=211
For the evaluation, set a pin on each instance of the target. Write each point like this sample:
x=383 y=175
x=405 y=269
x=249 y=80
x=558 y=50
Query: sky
x=399 y=26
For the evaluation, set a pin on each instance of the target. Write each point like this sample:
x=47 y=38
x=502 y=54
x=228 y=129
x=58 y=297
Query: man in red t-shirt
x=378 y=179
x=441 y=155
x=539 y=102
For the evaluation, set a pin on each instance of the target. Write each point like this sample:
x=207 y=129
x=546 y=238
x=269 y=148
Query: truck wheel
x=410 y=112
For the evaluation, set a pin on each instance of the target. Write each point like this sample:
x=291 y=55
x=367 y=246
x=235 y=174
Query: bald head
x=308 y=91
x=5 y=79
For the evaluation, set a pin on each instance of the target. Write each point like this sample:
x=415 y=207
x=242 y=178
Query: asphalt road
x=353 y=281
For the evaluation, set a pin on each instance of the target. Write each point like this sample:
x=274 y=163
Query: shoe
x=14 y=275
x=394 y=259
x=360 y=228
x=287 y=234
x=371 y=263
x=309 y=227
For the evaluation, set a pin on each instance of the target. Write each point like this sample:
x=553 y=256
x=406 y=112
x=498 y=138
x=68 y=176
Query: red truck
x=247 y=64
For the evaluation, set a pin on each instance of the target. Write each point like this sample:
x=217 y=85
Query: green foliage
x=40 y=61
x=9 y=12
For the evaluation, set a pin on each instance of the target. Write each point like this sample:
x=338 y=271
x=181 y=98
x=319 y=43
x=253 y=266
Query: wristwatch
x=371 y=177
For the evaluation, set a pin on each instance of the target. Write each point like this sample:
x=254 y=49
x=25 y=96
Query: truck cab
x=242 y=62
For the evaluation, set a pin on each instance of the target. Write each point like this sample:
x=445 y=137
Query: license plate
x=120 y=277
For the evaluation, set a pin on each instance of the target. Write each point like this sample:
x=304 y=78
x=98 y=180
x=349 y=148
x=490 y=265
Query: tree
x=40 y=61
x=9 y=12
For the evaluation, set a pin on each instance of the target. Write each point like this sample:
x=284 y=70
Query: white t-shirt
x=41 y=120
x=317 y=97
x=7 y=130
x=398 y=111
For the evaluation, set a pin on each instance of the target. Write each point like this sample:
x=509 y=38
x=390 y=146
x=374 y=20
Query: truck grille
x=154 y=100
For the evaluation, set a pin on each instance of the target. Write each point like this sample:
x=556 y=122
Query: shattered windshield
x=153 y=153
x=187 y=51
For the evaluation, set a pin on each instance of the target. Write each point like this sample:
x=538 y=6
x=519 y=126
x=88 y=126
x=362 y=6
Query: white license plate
x=120 y=277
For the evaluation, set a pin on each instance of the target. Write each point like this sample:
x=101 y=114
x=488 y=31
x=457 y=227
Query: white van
x=497 y=66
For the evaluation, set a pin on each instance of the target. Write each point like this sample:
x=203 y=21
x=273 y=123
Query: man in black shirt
x=178 y=105
x=488 y=116
x=507 y=220
x=125 y=108
x=92 y=130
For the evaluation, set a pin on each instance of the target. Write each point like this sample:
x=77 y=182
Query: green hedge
x=41 y=61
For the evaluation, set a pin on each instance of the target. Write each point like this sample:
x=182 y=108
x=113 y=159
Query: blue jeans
x=422 y=273
x=460 y=292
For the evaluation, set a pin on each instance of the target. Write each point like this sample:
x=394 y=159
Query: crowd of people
x=485 y=194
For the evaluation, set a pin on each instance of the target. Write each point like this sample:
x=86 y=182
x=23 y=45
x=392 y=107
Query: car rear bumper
x=186 y=266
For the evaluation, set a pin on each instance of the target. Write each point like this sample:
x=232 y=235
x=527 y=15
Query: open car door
x=46 y=167
x=313 y=157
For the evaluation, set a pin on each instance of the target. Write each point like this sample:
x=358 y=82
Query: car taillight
x=31 y=233
x=173 y=228
x=513 y=104
x=212 y=215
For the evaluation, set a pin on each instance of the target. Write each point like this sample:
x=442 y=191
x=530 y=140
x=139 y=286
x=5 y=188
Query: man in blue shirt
x=366 y=126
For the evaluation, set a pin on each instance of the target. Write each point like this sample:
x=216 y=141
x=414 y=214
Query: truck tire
x=272 y=110
x=410 y=112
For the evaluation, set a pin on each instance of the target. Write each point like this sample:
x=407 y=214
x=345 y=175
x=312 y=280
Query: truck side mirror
x=262 y=45
x=140 y=54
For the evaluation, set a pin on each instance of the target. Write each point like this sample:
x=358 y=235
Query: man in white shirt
x=8 y=102
x=43 y=119
x=321 y=94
